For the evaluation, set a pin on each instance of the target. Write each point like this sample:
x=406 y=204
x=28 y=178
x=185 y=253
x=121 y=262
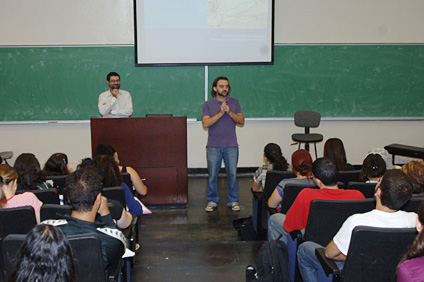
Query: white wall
x=44 y=139
x=110 y=22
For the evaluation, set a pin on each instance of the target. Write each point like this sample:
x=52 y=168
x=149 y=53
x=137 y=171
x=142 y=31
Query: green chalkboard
x=63 y=83
x=336 y=80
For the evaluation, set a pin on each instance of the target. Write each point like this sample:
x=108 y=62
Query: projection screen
x=203 y=32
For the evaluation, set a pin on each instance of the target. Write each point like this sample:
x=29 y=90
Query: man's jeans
x=214 y=156
x=309 y=264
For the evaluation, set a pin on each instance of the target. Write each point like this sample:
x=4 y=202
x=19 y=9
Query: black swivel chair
x=373 y=255
x=307 y=119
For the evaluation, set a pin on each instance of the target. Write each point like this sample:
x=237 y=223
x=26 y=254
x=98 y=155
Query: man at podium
x=115 y=103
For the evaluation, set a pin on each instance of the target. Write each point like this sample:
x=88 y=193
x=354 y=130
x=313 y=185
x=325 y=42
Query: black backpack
x=272 y=262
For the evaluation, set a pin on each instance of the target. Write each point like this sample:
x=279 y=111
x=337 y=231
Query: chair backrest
x=127 y=179
x=348 y=176
x=10 y=246
x=115 y=193
x=51 y=211
x=47 y=196
x=59 y=182
x=290 y=193
x=367 y=189
x=307 y=118
x=413 y=204
x=374 y=253
x=88 y=258
x=273 y=177
x=327 y=216
x=16 y=220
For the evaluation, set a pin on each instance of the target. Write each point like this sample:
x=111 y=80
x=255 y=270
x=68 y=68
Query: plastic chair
x=290 y=193
x=373 y=255
x=89 y=262
x=348 y=176
x=367 y=189
x=307 y=119
x=59 y=182
x=260 y=199
x=412 y=205
x=50 y=211
x=47 y=196
x=324 y=221
x=115 y=193
x=15 y=221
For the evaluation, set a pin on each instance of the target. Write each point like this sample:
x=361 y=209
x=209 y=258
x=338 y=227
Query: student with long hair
x=57 y=164
x=139 y=186
x=415 y=171
x=302 y=168
x=8 y=199
x=113 y=177
x=45 y=256
x=29 y=172
x=411 y=266
x=373 y=168
x=335 y=151
x=273 y=160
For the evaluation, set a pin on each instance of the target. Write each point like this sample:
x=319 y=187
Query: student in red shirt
x=325 y=177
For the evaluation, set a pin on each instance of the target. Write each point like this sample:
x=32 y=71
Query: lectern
x=155 y=147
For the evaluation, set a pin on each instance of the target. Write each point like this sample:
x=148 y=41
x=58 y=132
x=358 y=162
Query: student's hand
x=104 y=209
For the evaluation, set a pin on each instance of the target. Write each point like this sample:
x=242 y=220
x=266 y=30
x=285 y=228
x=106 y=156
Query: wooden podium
x=156 y=147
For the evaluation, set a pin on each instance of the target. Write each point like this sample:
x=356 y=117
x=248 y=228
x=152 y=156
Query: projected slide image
x=238 y=13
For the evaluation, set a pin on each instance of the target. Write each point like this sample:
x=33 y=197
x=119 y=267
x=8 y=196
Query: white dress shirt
x=121 y=106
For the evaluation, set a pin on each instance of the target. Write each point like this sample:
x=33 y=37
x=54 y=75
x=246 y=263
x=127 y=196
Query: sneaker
x=210 y=207
x=234 y=206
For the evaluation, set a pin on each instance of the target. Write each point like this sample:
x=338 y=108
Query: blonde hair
x=7 y=175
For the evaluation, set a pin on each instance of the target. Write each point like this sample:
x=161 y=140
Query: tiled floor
x=192 y=245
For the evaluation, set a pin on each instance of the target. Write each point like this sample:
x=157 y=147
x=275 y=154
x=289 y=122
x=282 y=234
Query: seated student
x=45 y=255
x=119 y=213
x=324 y=173
x=112 y=178
x=334 y=150
x=138 y=183
x=415 y=171
x=373 y=168
x=29 y=172
x=273 y=160
x=8 y=199
x=411 y=266
x=302 y=168
x=392 y=192
x=84 y=190
x=57 y=164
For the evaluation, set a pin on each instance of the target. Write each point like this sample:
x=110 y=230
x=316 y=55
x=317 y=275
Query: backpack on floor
x=272 y=262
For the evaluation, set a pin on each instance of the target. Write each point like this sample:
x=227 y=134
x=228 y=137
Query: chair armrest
x=296 y=234
x=272 y=211
x=328 y=265
x=257 y=195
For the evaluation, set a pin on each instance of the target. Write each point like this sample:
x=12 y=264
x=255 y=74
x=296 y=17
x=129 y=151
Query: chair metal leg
x=307 y=147
x=316 y=156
